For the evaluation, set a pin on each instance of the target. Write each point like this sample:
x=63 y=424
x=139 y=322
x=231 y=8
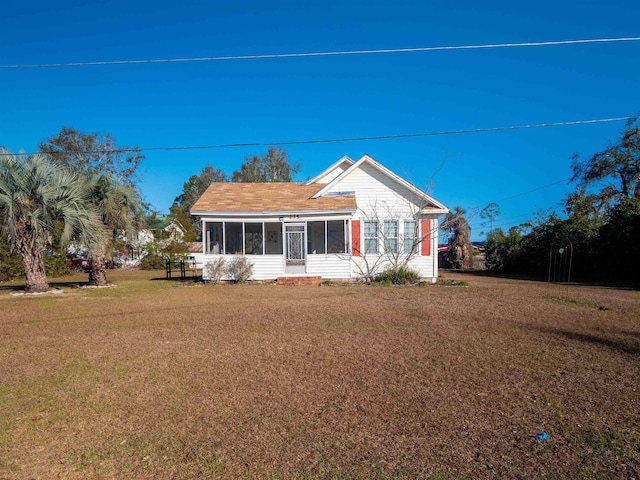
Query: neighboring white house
x=137 y=243
x=351 y=221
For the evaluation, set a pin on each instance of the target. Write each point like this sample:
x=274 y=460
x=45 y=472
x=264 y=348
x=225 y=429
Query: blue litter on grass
x=543 y=436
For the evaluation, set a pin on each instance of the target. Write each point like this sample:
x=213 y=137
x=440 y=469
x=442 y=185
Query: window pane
x=391 y=245
x=253 y=238
x=370 y=245
x=370 y=237
x=335 y=237
x=233 y=237
x=391 y=229
x=315 y=237
x=410 y=236
x=273 y=245
x=370 y=229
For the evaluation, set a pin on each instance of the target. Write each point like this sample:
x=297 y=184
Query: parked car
x=79 y=263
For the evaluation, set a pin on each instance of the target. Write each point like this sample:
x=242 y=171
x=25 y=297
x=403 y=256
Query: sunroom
x=279 y=227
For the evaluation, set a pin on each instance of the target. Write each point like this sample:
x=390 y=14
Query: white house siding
x=423 y=265
x=270 y=267
x=330 y=266
x=378 y=198
x=265 y=267
x=377 y=195
x=330 y=176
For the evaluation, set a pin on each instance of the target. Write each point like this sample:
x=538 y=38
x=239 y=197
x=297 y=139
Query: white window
x=370 y=237
x=390 y=230
x=410 y=237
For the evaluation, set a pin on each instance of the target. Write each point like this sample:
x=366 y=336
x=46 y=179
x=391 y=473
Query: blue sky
x=247 y=101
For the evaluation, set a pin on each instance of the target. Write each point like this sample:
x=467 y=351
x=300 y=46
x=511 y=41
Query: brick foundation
x=303 y=280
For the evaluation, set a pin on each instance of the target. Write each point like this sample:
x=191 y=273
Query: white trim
x=439 y=207
x=274 y=213
x=330 y=169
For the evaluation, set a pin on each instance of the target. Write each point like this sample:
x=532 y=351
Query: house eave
x=272 y=213
x=434 y=211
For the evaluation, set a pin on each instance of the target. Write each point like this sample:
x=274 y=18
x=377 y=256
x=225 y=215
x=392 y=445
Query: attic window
x=339 y=194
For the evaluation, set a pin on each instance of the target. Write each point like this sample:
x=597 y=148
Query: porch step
x=300 y=280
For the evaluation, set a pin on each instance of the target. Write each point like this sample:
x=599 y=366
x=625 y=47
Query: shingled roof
x=269 y=197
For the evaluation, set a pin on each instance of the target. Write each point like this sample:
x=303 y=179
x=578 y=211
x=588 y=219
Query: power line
x=323 y=54
x=354 y=139
x=534 y=190
x=475 y=210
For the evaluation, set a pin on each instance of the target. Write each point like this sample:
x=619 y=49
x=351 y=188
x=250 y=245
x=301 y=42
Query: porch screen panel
x=253 y=244
x=213 y=237
x=233 y=237
x=336 y=237
x=316 y=237
x=273 y=240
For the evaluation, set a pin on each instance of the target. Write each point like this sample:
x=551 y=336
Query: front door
x=295 y=248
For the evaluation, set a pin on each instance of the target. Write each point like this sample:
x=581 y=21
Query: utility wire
x=565 y=180
x=353 y=139
x=323 y=54
x=475 y=210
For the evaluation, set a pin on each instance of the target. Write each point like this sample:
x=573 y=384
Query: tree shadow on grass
x=179 y=279
x=19 y=287
x=634 y=286
x=624 y=345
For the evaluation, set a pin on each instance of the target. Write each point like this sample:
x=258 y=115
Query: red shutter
x=426 y=238
x=355 y=238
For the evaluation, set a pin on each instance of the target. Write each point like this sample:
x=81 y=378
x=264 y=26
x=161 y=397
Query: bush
x=240 y=269
x=56 y=263
x=398 y=276
x=11 y=264
x=152 y=261
x=216 y=269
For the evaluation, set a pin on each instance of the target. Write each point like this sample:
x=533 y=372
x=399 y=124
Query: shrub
x=240 y=269
x=398 y=276
x=216 y=269
x=56 y=263
x=11 y=264
x=152 y=261
x=447 y=282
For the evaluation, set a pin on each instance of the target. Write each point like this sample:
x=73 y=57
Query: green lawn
x=154 y=378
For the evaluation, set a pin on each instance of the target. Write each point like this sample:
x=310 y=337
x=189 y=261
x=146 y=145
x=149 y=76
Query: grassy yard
x=176 y=380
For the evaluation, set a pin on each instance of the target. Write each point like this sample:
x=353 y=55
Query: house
x=163 y=231
x=351 y=221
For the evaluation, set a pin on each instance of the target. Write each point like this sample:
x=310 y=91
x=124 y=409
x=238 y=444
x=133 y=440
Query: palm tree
x=34 y=194
x=120 y=210
x=460 y=247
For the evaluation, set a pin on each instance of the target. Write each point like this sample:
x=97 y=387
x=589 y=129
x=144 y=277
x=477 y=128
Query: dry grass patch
x=166 y=379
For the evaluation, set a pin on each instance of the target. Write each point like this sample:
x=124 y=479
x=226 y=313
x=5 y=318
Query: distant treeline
x=597 y=249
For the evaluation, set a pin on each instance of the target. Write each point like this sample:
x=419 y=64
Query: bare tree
x=274 y=166
x=393 y=235
x=490 y=212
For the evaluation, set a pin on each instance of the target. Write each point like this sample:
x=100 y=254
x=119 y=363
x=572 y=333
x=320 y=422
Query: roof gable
x=332 y=172
x=427 y=202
